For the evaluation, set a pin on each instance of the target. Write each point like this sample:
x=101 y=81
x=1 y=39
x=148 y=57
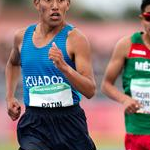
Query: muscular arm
x=113 y=70
x=82 y=78
x=12 y=74
x=12 y=71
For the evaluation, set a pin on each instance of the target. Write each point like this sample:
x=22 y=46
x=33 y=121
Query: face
x=52 y=12
x=145 y=19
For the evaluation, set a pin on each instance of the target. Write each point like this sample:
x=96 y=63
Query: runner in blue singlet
x=55 y=62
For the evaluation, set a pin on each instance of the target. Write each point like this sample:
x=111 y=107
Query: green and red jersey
x=136 y=83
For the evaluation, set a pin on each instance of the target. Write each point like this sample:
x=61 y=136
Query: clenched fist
x=14 y=109
x=56 y=55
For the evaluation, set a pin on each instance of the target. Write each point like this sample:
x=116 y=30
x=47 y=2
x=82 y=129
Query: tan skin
x=116 y=65
x=78 y=50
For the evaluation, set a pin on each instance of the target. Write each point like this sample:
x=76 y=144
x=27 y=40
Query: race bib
x=54 y=95
x=140 y=91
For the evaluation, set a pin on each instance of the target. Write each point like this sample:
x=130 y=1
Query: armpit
x=15 y=58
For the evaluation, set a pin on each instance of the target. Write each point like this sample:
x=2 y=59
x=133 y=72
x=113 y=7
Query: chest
x=40 y=42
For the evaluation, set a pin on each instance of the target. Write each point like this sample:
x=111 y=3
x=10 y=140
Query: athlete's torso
x=39 y=72
x=136 y=83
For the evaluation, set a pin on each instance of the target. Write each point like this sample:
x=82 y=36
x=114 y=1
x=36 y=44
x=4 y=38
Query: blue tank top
x=37 y=69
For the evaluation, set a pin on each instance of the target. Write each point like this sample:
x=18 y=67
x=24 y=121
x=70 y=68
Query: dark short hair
x=144 y=4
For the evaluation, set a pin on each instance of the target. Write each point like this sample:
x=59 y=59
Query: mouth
x=55 y=16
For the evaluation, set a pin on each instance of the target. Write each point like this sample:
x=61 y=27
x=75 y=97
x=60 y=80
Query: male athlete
x=55 y=62
x=132 y=55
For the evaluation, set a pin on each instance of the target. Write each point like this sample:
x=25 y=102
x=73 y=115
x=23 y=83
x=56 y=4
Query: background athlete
x=55 y=61
x=132 y=55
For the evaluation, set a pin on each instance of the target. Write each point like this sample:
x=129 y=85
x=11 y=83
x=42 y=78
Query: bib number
x=140 y=91
x=54 y=95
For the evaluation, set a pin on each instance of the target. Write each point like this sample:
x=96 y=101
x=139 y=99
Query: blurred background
x=104 y=23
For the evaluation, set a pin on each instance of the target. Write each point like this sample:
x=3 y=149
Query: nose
x=55 y=5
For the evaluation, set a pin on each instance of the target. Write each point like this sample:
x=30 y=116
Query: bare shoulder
x=123 y=46
x=76 y=33
x=77 y=38
x=19 y=34
x=124 y=42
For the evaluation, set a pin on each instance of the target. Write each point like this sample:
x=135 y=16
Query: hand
x=56 y=55
x=131 y=105
x=13 y=108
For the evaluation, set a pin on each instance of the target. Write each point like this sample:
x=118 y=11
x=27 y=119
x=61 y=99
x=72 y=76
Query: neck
x=45 y=29
x=147 y=38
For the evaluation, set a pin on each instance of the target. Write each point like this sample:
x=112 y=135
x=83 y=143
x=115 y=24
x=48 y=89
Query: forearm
x=113 y=93
x=12 y=74
x=84 y=85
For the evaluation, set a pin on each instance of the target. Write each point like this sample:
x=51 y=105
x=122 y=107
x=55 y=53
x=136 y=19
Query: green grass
x=12 y=147
x=107 y=143
x=102 y=145
x=8 y=147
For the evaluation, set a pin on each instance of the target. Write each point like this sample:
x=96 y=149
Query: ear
x=68 y=4
x=141 y=17
x=36 y=4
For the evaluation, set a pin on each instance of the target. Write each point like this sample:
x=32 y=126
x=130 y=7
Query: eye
x=60 y=1
x=47 y=0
